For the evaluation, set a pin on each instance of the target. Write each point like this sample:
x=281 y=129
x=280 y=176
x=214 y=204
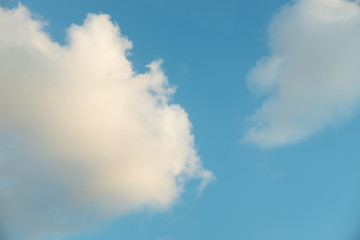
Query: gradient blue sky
x=306 y=191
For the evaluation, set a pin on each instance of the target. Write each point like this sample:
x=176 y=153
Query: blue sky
x=303 y=187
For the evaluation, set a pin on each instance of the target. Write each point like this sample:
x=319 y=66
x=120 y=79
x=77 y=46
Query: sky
x=172 y=120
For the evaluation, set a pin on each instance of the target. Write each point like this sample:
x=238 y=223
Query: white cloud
x=84 y=138
x=311 y=77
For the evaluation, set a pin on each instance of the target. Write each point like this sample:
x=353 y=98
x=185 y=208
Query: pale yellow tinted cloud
x=94 y=139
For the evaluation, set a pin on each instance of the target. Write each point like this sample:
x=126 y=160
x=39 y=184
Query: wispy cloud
x=311 y=78
x=84 y=138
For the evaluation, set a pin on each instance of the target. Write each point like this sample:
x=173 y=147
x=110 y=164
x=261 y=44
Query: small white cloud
x=84 y=138
x=312 y=76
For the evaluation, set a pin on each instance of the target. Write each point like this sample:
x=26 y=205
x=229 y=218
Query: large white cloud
x=83 y=137
x=311 y=78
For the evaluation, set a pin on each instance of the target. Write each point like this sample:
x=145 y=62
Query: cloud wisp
x=311 y=78
x=84 y=138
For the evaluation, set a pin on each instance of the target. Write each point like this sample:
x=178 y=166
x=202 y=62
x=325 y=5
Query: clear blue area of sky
x=308 y=191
